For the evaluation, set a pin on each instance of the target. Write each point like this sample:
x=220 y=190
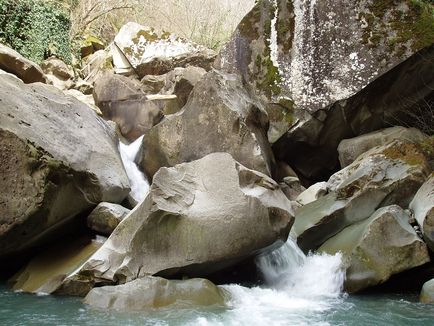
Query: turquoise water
x=26 y=309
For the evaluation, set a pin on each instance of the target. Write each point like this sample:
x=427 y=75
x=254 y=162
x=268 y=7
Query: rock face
x=220 y=116
x=427 y=293
x=316 y=55
x=350 y=149
x=386 y=175
x=45 y=272
x=14 y=63
x=199 y=217
x=422 y=206
x=57 y=159
x=143 y=51
x=122 y=100
x=58 y=73
x=155 y=292
x=106 y=217
x=309 y=57
x=378 y=247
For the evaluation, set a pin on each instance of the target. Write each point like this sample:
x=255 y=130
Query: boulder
x=58 y=159
x=143 y=51
x=312 y=193
x=422 y=206
x=122 y=100
x=198 y=218
x=314 y=59
x=427 y=293
x=86 y=99
x=220 y=116
x=291 y=187
x=377 y=248
x=156 y=292
x=386 y=175
x=13 y=62
x=106 y=217
x=153 y=84
x=180 y=82
x=58 y=73
x=350 y=149
x=46 y=271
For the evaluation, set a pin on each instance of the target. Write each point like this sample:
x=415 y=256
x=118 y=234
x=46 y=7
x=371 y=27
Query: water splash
x=299 y=289
x=138 y=181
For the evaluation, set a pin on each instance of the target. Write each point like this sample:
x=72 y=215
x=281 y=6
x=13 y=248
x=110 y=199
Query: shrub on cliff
x=35 y=28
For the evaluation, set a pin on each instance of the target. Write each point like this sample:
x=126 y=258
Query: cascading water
x=298 y=289
x=138 y=181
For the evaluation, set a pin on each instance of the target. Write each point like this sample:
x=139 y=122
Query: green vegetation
x=35 y=28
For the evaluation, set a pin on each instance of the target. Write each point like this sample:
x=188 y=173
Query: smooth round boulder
x=427 y=293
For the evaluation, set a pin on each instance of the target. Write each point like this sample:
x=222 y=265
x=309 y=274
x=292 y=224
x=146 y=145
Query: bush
x=35 y=28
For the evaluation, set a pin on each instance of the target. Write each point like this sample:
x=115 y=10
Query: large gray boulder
x=386 y=175
x=13 y=62
x=350 y=149
x=142 y=51
x=58 y=159
x=220 y=116
x=422 y=206
x=377 y=248
x=156 y=292
x=314 y=59
x=123 y=101
x=199 y=217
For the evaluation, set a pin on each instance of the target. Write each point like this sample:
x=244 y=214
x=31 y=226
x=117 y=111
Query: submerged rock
x=14 y=63
x=198 y=218
x=350 y=149
x=427 y=293
x=386 y=175
x=106 y=217
x=143 y=51
x=220 y=116
x=46 y=272
x=377 y=248
x=156 y=292
x=57 y=160
x=422 y=206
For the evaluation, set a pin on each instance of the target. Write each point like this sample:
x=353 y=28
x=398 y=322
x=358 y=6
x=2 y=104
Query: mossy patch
x=408 y=152
x=399 y=25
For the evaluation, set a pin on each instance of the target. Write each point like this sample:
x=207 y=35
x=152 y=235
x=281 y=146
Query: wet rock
x=156 y=292
x=350 y=149
x=198 y=218
x=422 y=206
x=45 y=272
x=58 y=159
x=386 y=175
x=14 y=63
x=377 y=248
x=106 y=217
x=427 y=293
x=220 y=116
x=142 y=51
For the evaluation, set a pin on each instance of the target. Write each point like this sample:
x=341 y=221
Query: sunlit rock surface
x=57 y=160
x=143 y=51
x=378 y=247
x=198 y=218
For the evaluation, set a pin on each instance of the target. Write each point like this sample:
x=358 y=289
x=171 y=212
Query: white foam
x=138 y=181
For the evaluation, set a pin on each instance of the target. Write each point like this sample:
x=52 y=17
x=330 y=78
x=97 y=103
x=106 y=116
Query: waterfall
x=138 y=181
